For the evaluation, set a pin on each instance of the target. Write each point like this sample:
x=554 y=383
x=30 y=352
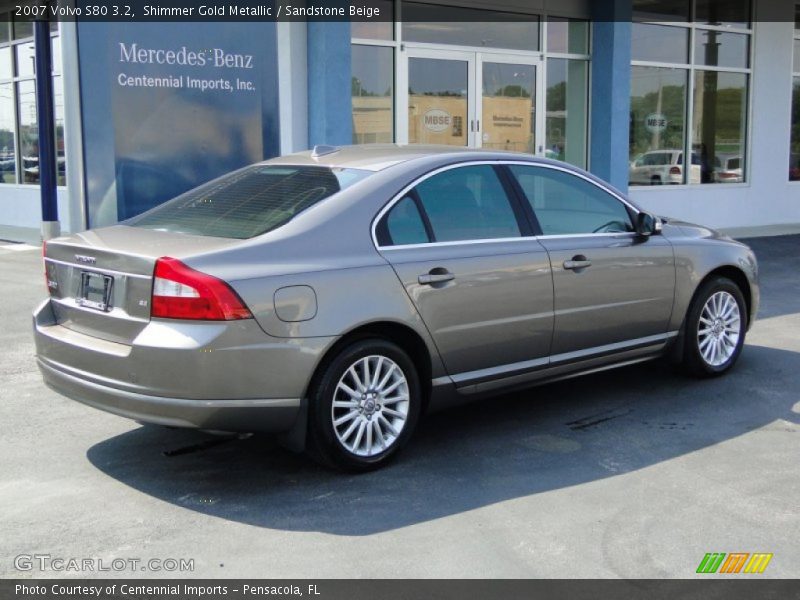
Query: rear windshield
x=248 y=202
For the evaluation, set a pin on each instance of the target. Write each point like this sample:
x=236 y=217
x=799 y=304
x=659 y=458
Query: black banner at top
x=719 y=13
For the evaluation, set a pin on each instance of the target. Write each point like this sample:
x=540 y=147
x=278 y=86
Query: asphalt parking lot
x=634 y=473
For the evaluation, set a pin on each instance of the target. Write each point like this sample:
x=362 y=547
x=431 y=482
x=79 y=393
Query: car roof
x=376 y=157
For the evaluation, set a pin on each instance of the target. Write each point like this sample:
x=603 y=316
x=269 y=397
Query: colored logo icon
x=736 y=562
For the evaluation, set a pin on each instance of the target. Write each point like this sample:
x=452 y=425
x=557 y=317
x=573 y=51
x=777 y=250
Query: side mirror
x=647 y=224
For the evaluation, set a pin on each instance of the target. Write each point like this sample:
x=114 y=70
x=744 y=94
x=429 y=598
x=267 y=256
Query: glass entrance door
x=474 y=99
x=508 y=102
x=441 y=98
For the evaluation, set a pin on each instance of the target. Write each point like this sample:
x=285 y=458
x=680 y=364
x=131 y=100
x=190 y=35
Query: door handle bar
x=577 y=264
x=431 y=278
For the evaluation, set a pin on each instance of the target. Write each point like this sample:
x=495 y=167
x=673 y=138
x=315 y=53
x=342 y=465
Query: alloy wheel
x=719 y=328
x=370 y=405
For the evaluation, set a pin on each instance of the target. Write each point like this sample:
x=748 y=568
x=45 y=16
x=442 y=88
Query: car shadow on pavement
x=546 y=438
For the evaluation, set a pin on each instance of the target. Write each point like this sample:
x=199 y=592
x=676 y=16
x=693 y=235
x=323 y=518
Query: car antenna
x=322 y=150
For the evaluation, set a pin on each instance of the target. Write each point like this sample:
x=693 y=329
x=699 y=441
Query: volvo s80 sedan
x=335 y=296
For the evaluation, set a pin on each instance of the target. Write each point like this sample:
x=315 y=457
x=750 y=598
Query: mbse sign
x=436 y=120
x=655 y=122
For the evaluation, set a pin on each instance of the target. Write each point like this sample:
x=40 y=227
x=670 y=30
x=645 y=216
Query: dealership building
x=691 y=106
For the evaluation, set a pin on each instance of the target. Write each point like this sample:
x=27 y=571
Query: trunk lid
x=101 y=281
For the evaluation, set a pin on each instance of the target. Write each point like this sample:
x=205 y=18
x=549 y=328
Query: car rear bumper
x=265 y=415
x=227 y=376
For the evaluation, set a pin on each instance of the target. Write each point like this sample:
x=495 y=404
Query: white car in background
x=728 y=169
x=658 y=167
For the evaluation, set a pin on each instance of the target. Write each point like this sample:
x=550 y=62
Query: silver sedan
x=335 y=296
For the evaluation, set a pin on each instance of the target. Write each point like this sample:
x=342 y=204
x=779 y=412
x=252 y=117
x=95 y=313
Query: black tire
x=324 y=444
x=655 y=180
x=694 y=361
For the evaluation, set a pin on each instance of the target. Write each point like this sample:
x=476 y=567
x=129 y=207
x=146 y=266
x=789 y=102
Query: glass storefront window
x=567 y=36
x=719 y=124
x=8 y=163
x=565 y=119
x=659 y=43
x=376 y=30
x=23 y=29
x=470 y=27
x=25 y=56
x=794 y=153
x=657 y=125
x=373 y=94
x=5 y=62
x=28 y=131
x=719 y=49
x=657 y=10
x=730 y=13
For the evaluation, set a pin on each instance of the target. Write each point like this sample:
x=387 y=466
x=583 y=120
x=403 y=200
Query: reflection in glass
x=8 y=163
x=376 y=30
x=508 y=107
x=657 y=122
x=567 y=36
x=719 y=49
x=723 y=12
x=794 y=153
x=28 y=131
x=23 y=29
x=437 y=101
x=718 y=125
x=659 y=43
x=565 y=118
x=372 y=94
x=5 y=28
x=658 y=10
x=58 y=106
x=5 y=62
x=25 y=56
x=470 y=27
x=56 y=51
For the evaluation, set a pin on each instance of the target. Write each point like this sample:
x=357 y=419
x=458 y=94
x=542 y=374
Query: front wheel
x=364 y=407
x=715 y=328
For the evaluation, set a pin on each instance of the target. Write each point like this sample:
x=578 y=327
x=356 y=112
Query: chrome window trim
x=400 y=195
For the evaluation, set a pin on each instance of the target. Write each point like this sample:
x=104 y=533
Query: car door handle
x=577 y=262
x=436 y=276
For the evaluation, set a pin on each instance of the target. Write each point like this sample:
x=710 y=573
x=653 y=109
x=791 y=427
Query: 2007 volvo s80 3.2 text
x=334 y=296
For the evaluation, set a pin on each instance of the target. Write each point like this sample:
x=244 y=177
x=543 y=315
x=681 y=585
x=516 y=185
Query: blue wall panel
x=611 y=91
x=329 y=84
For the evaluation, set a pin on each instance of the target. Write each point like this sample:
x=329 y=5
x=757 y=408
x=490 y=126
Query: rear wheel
x=364 y=407
x=715 y=328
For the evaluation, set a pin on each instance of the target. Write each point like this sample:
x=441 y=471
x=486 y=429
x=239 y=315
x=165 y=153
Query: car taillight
x=724 y=175
x=675 y=171
x=180 y=292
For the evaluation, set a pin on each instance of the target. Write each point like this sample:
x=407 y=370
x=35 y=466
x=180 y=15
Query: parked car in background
x=658 y=167
x=728 y=169
x=335 y=296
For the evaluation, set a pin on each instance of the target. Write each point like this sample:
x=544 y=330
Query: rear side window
x=404 y=224
x=248 y=202
x=565 y=204
x=467 y=203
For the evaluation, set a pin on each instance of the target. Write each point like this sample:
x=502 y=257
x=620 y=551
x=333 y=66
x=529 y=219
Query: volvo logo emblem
x=87 y=260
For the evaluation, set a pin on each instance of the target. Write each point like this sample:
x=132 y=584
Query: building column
x=611 y=91
x=330 y=118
